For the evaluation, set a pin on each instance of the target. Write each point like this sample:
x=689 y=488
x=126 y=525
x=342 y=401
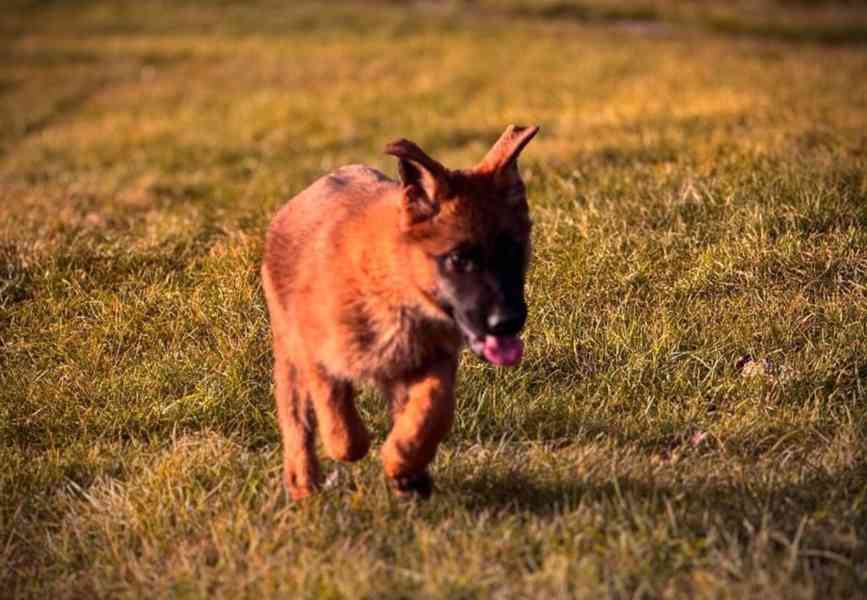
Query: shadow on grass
x=586 y=12
x=803 y=31
x=838 y=34
x=819 y=520
x=731 y=502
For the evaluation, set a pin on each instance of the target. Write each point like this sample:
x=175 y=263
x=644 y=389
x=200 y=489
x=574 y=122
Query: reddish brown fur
x=349 y=285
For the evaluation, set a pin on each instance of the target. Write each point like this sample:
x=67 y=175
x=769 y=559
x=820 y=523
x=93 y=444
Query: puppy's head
x=468 y=241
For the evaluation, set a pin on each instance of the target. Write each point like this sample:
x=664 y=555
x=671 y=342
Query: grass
x=700 y=201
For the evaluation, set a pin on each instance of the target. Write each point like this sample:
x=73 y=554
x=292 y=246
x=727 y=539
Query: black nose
x=506 y=321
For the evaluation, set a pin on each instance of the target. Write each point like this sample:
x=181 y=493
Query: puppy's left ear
x=502 y=159
x=425 y=181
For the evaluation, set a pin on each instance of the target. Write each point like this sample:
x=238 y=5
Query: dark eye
x=462 y=260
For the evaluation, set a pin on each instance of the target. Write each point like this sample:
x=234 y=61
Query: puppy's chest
x=388 y=343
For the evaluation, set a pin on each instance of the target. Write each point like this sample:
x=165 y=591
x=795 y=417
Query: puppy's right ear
x=425 y=181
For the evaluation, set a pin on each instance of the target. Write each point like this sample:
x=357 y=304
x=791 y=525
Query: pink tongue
x=504 y=350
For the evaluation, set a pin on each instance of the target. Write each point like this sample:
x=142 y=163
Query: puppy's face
x=470 y=234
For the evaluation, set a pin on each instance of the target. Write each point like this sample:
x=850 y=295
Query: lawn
x=690 y=419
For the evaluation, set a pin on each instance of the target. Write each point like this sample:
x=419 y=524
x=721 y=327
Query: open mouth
x=503 y=350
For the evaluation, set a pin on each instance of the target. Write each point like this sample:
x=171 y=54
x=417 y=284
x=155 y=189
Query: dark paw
x=414 y=486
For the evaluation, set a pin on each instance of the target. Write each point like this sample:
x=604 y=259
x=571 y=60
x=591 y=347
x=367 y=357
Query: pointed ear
x=425 y=181
x=502 y=158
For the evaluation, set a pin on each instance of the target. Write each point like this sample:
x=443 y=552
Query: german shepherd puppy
x=369 y=280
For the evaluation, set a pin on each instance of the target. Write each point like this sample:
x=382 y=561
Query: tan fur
x=349 y=285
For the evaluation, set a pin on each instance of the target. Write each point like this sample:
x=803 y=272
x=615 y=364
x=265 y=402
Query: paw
x=299 y=492
x=298 y=488
x=414 y=486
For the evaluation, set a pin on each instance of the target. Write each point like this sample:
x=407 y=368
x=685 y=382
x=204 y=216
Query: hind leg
x=340 y=426
x=297 y=428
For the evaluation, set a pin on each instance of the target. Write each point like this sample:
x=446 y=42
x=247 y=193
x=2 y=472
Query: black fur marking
x=362 y=329
x=336 y=181
x=508 y=265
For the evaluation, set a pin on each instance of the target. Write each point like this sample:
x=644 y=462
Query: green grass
x=700 y=201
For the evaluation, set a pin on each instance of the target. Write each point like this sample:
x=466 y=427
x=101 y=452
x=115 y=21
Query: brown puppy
x=369 y=280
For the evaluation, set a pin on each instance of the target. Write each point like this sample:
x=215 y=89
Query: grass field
x=690 y=419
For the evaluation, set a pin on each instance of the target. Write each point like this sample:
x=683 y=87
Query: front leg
x=423 y=408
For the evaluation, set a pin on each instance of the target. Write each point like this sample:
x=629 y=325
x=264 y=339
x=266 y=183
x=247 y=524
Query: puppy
x=374 y=281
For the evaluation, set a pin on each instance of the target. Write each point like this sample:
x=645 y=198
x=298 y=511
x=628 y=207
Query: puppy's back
x=310 y=229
